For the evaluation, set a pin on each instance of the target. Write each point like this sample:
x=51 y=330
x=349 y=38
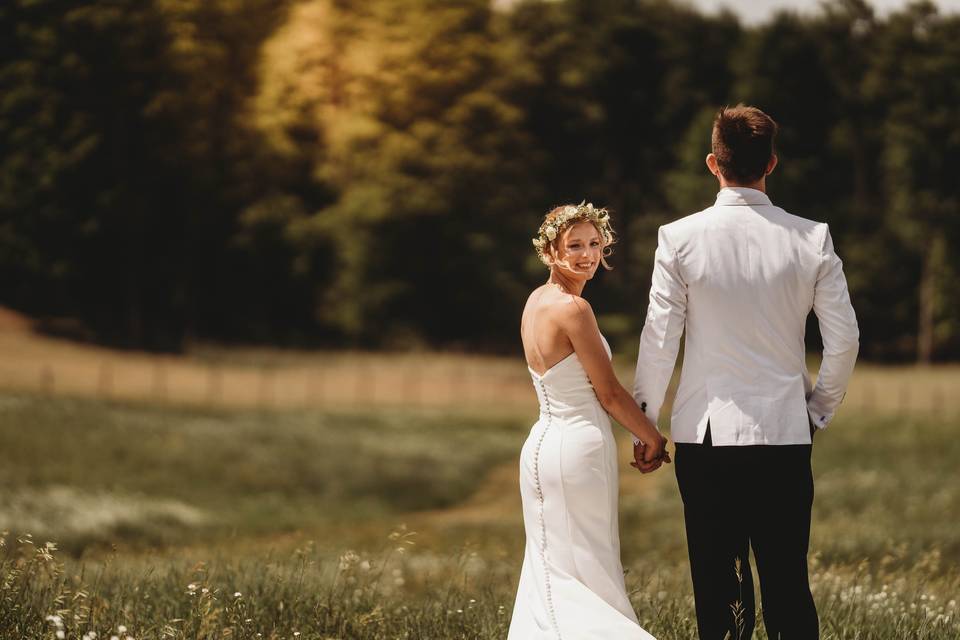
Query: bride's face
x=579 y=250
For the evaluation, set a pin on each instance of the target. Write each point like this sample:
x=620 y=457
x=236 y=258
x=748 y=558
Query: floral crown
x=583 y=212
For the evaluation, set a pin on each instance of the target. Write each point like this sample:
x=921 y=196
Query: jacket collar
x=741 y=196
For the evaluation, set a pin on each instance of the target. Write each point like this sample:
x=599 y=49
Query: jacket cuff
x=820 y=419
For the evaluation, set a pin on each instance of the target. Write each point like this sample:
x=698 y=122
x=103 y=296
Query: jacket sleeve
x=660 y=340
x=841 y=335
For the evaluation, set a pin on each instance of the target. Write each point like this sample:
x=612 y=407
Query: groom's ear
x=712 y=164
x=771 y=164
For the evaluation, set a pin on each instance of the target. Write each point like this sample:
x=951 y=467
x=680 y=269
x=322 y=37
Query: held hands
x=650 y=456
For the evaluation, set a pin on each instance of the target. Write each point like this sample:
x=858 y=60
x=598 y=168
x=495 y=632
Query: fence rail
x=468 y=382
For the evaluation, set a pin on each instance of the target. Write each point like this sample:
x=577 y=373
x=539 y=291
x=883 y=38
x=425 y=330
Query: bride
x=571 y=583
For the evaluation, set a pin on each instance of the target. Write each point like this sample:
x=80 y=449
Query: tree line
x=323 y=173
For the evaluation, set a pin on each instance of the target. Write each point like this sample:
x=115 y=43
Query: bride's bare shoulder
x=559 y=306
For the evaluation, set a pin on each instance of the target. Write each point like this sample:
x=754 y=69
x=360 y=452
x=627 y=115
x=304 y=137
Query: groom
x=740 y=277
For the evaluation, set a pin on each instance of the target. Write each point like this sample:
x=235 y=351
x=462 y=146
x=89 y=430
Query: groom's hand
x=647 y=458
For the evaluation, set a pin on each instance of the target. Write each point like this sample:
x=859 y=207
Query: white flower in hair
x=569 y=214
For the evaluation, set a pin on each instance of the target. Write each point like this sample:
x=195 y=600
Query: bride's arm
x=579 y=323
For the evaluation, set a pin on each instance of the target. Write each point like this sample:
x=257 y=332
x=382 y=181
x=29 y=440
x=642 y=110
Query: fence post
x=412 y=385
x=904 y=407
x=937 y=407
x=159 y=380
x=264 y=394
x=364 y=386
x=214 y=384
x=314 y=387
x=868 y=399
x=46 y=379
x=106 y=379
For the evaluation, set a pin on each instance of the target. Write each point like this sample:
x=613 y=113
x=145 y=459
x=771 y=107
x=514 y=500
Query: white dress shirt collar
x=742 y=196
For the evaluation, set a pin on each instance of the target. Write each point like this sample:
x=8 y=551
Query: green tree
x=405 y=115
x=119 y=121
x=917 y=76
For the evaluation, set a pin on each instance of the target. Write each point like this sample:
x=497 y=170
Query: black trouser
x=736 y=497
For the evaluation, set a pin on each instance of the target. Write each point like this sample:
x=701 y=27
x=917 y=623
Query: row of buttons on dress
x=543 y=526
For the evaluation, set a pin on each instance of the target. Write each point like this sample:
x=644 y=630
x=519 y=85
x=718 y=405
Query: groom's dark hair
x=742 y=141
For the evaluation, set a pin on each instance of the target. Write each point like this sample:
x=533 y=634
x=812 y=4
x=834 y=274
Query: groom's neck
x=759 y=185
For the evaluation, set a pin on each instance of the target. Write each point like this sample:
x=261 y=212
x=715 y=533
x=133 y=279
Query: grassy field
x=404 y=524
x=271 y=494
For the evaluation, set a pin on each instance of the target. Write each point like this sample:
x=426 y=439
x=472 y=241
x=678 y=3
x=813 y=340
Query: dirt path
x=497 y=500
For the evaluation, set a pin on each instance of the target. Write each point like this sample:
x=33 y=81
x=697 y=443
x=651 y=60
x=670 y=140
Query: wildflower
x=237 y=594
x=60 y=634
x=121 y=629
x=348 y=559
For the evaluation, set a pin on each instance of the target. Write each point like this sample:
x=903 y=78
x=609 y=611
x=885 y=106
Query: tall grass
x=292 y=510
x=395 y=593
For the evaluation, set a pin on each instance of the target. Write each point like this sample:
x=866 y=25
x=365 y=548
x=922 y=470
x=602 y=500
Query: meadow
x=403 y=525
x=179 y=519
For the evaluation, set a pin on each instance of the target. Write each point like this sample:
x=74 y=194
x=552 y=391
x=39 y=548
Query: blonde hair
x=561 y=218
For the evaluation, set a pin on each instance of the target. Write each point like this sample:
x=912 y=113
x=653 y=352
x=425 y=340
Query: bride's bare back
x=545 y=343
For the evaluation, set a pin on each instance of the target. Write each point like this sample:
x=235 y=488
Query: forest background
x=369 y=174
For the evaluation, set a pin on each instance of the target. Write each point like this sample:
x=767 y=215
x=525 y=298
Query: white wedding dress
x=571 y=584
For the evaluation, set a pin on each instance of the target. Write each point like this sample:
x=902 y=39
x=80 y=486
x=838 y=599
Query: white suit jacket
x=741 y=278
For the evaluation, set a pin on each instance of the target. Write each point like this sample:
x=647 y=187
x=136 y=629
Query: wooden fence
x=371 y=380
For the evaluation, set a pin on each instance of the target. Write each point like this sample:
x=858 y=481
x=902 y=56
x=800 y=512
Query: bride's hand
x=638 y=462
x=650 y=458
